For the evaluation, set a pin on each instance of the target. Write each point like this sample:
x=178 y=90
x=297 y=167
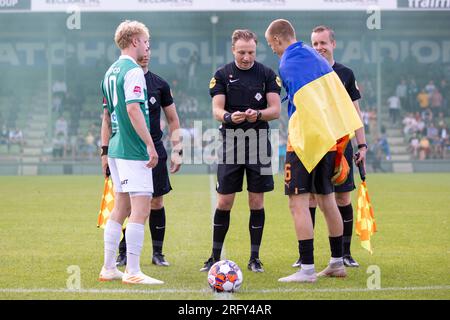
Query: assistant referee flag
x=107 y=203
x=365 y=225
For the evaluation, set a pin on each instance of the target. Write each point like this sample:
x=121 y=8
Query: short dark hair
x=323 y=28
x=281 y=28
x=243 y=34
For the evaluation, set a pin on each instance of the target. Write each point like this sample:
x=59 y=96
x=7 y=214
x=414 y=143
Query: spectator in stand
x=414 y=145
x=394 y=108
x=420 y=127
x=59 y=90
x=423 y=99
x=445 y=91
x=4 y=135
x=401 y=92
x=424 y=148
x=433 y=137
x=430 y=87
x=427 y=116
x=16 y=137
x=444 y=142
x=409 y=123
x=61 y=126
x=375 y=154
x=440 y=120
x=59 y=146
x=59 y=87
x=90 y=145
x=384 y=144
x=413 y=91
x=436 y=102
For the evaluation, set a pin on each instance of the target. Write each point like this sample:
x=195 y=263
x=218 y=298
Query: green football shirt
x=124 y=83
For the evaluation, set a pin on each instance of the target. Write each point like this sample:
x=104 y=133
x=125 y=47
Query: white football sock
x=135 y=239
x=338 y=261
x=111 y=237
x=308 y=268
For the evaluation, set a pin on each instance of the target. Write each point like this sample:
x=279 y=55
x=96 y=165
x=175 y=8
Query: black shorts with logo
x=230 y=178
x=231 y=171
x=297 y=180
x=161 y=182
x=349 y=184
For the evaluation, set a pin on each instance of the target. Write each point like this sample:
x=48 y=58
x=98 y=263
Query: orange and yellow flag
x=107 y=204
x=365 y=221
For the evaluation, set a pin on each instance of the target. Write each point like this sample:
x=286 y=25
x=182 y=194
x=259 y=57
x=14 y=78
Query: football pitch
x=49 y=239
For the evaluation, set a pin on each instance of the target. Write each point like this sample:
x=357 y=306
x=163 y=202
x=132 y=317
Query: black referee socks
x=221 y=224
x=256 y=228
x=306 y=251
x=157 y=223
x=347 y=218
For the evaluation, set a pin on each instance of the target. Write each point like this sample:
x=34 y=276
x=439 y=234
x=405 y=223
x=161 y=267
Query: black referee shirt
x=348 y=79
x=244 y=89
x=159 y=96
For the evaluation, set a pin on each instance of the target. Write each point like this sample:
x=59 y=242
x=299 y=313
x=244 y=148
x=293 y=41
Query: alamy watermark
x=230 y=146
x=73 y=282
x=373 y=21
x=374 y=280
x=73 y=22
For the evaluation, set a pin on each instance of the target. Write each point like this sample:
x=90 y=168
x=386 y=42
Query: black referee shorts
x=230 y=178
x=297 y=180
x=161 y=182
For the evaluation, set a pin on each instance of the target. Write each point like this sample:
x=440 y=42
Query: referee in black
x=323 y=41
x=159 y=97
x=245 y=96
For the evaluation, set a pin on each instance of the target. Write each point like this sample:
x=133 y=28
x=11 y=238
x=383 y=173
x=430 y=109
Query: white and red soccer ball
x=225 y=276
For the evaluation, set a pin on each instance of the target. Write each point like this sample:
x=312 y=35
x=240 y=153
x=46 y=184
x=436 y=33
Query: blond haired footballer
x=128 y=151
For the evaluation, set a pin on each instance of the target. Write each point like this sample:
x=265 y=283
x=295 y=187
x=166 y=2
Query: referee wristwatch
x=362 y=145
x=258 y=115
x=227 y=118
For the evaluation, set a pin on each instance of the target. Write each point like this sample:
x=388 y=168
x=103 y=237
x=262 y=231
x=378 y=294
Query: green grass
x=49 y=224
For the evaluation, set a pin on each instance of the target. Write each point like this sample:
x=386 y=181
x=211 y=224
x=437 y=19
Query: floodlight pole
x=378 y=57
x=214 y=21
x=49 y=84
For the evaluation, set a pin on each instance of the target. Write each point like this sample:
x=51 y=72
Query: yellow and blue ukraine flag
x=320 y=110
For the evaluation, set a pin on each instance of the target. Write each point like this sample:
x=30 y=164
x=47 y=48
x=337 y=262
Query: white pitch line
x=206 y=291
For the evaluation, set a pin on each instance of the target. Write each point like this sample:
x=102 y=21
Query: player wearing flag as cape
x=159 y=98
x=128 y=152
x=323 y=40
x=321 y=115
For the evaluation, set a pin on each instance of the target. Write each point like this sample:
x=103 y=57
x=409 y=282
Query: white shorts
x=130 y=175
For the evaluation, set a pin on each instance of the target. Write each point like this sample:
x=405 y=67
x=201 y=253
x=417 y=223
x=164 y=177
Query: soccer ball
x=225 y=276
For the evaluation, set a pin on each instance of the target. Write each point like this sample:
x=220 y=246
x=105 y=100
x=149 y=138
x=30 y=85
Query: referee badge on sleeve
x=278 y=80
x=212 y=83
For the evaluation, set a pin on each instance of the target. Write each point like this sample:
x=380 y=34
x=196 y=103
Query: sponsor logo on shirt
x=137 y=90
